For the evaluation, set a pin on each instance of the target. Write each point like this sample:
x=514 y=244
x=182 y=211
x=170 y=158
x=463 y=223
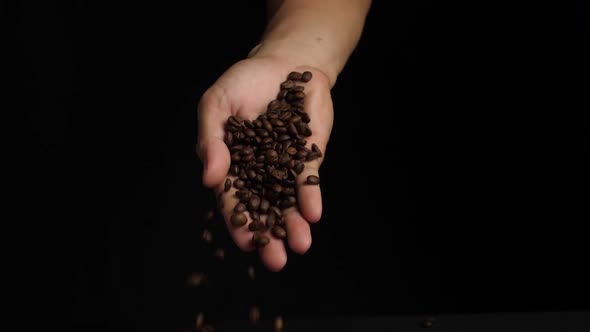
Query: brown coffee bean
x=313 y=180
x=227 y=185
x=260 y=240
x=196 y=279
x=288 y=202
x=294 y=76
x=276 y=211
x=251 y=272
x=255 y=215
x=285 y=116
x=279 y=232
x=271 y=156
x=280 y=130
x=312 y=156
x=278 y=325
x=282 y=94
x=256 y=225
x=235 y=157
x=248 y=124
x=199 y=320
x=207 y=237
x=254 y=203
x=427 y=323
x=262 y=133
x=240 y=207
x=250 y=132
x=219 y=254
x=254 y=314
x=289 y=190
x=287 y=85
x=316 y=149
x=239 y=184
x=305 y=117
x=291 y=150
x=284 y=159
x=274 y=105
x=277 y=123
x=251 y=174
x=306 y=76
x=264 y=205
x=238 y=219
x=299 y=166
x=271 y=220
x=235 y=121
x=301 y=155
x=229 y=138
x=234 y=170
x=298 y=95
x=248 y=158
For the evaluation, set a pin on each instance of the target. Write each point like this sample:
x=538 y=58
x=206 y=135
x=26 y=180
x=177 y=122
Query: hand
x=245 y=90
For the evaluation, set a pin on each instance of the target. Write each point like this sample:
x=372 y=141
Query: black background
x=456 y=178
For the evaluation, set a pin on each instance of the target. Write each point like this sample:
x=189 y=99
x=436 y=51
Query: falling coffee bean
x=207 y=237
x=313 y=180
x=278 y=324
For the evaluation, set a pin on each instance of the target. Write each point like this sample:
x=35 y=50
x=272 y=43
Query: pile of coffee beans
x=267 y=155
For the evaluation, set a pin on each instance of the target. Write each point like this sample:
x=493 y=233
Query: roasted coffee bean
x=238 y=219
x=219 y=254
x=299 y=166
x=235 y=170
x=243 y=175
x=277 y=187
x=298 y=95
x=306 y=76
x=262 y=133
x=207 y=237
x=276 y=211
x=227 y=185
x=282 y=94
x=301 y=155
x=313 y=180
x=294 y=76
x=301 y=141
x=298 y=88
x=251 y=272
x=283 y=137
x=254 y=314
x=235 y=157
x=260 y=240
x=248 y=158
x=295 y=118
x=284 y=159
x=287 y=85
x=235 y=121
x=229 y=138
x=255 y=226
x=278 y=325
x=255 y=215
x=292 y=129
x=250 y=132
x=305 y=117
x=272 y=156
x=280 y=130
x=248 y=124
x=251 y=174
x=271 y=220
x=289 y=190
x=285 y=116
x=199 y=320
x=259 y=177
x=279 y=232
x=274 y=105
x=312 y=156
x=264 y=205
x=316 y=149
x=288 y=202
x=240 y=207
x=196 y=279
x=277 y=123
x=291 y=150
x=254 y=203
x=236 y=148
x=239 y=184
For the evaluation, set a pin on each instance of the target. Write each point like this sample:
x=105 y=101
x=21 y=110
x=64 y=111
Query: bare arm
x=320 y=34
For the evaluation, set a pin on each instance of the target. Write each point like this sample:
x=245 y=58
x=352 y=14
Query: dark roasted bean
x=306 y=76
x=287 y=84
x=238 y=219
x=227 y=185
x=279 y=232
x=313 y=179
x=294 y=76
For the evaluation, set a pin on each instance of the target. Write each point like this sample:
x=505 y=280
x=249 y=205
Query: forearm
x=317 y=33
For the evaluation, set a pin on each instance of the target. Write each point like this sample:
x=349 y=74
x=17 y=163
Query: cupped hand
x=245 y=90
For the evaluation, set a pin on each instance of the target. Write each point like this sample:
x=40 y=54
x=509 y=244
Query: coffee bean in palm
x=271 y=220
x=278 y=324
x=240 y=207
x=229 y=138
x=312 y=156
x=264 y=205
x=255 y=225
x=239 y=184
x=234 y=121
x=313 y=180
x=254 y=203
x=282 y=94
x=238 y=219
x=290 y=190
x=288 y=84
x=234 y=170
x=279 y=232
x=271 y=156
x=294 y=76
x=305 y=117
x=251 y=174
x=235 y=157
x=260 y=240
x=306 y=76
x=248 y=124
x=288 y=202
x=301 y=155
x=227 y=185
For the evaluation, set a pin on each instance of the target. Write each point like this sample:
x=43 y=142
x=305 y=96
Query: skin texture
x=298 y=38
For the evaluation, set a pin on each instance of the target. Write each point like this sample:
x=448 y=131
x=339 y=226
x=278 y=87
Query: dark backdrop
x=456 y=179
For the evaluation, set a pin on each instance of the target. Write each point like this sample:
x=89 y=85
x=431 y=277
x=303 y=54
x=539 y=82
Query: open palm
x=245 y=90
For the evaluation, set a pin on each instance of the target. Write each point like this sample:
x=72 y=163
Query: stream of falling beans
x=267 y=155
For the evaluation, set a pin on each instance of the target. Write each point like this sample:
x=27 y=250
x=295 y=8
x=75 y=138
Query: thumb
x=211 y=147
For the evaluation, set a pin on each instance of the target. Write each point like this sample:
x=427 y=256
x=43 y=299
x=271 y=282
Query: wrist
x=298 y=55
